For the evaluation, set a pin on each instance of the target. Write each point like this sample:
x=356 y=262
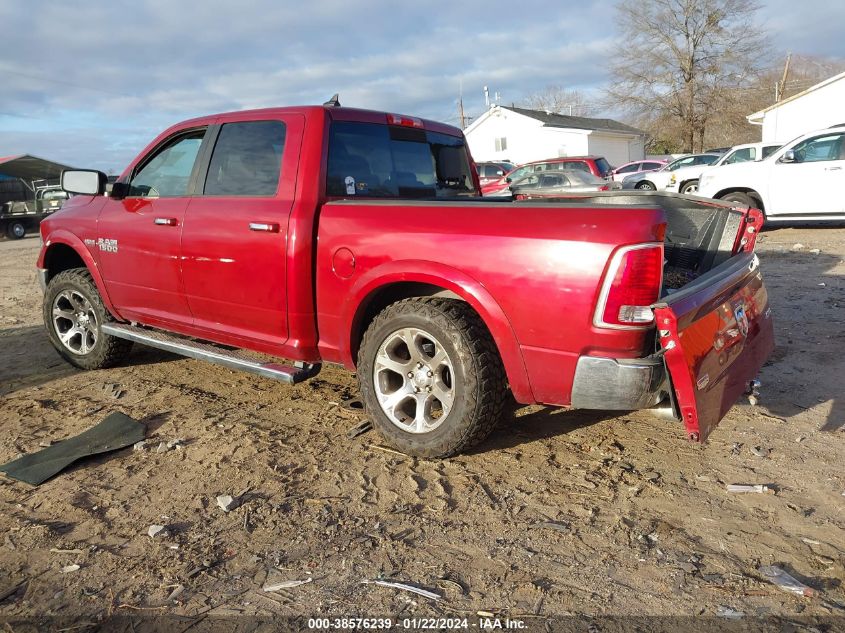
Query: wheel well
x=750 y=192
x=61 y=257
x=379 y=299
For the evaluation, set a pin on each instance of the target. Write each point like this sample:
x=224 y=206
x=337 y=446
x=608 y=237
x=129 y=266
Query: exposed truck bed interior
x=700 y=234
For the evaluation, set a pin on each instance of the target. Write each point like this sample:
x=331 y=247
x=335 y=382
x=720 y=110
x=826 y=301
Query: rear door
x=716 y=334
x=235 y=238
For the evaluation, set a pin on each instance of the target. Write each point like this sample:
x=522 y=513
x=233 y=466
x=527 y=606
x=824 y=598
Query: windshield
x=373 y=160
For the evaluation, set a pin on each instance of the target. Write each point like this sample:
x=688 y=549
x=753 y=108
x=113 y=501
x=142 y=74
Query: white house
x=521 y=136
x=817 y=107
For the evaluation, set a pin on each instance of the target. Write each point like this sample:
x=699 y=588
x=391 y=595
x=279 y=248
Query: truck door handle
x=267 y=227
x=166 y=221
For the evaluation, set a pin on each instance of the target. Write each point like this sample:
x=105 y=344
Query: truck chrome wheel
x=413 y=379
x=75 y=321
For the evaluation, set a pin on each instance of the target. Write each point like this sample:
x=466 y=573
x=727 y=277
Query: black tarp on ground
x=114 y=432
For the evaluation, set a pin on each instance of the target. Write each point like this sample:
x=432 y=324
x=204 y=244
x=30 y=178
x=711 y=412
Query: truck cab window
x=373 y=160
x=167 y=173
x=247 y=159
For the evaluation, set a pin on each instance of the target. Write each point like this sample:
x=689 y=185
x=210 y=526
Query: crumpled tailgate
x=716 y=334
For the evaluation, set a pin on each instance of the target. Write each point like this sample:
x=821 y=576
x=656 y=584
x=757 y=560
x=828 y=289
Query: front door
x=235 y=239
x=139 y=235
x=812 y=184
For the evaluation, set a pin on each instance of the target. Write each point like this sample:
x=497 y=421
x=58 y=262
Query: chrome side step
x=233 y=359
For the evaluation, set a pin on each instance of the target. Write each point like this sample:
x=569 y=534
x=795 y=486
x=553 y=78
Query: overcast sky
x=90 y=84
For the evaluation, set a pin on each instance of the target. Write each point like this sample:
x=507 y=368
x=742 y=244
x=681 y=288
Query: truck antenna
x=333 y=102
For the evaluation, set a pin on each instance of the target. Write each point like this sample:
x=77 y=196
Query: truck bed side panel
x=545 y=283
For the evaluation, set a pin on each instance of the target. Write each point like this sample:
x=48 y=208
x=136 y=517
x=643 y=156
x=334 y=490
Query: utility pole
x=461 y=105
x=780 y=87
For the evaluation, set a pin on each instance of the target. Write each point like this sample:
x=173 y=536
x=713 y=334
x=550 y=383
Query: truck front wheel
x=431 y=377
x=73 y=314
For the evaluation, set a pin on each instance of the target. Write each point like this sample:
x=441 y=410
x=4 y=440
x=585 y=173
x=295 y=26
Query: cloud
x=92 y=83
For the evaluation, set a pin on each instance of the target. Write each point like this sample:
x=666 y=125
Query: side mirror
x=788 y=156
x=507 y=180
x=86 y=182
x=117 y=190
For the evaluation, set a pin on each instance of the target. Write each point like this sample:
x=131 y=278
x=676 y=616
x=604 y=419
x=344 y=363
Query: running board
x=233 y=359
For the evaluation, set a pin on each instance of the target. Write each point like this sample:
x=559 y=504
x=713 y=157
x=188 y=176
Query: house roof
x=31 y=167
x=551 y=119
x=757 y=117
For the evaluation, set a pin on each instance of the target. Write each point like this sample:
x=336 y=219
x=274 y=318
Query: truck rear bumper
x=619 y=384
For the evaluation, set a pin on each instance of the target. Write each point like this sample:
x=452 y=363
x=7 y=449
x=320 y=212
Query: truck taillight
x=407 y=121
x=631 y=286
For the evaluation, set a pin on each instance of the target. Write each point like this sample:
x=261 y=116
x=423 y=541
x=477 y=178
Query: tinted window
x=819 y=148
x=647 y=166
x=603 y=165
x=577 y=165
x=519 y=173
x=368 y=159
x=629 y=169
x=706 y=160
x=553 y=180
x=681 y=162
x=768 y=150
x=168 y=172
x=741 y=156
x=247 y=159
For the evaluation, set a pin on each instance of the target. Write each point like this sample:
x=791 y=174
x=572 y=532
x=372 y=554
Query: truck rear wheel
x=431 y=377
x=73 y=313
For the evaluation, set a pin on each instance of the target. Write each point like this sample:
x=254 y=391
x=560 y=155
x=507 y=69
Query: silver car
x=559 y=182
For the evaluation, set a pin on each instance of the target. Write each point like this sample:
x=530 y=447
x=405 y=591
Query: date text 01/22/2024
x=483 y=623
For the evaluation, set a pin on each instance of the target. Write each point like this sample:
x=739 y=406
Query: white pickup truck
x=802 y=181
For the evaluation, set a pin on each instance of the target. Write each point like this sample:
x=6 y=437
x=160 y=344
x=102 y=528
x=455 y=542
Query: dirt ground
x=560 y=512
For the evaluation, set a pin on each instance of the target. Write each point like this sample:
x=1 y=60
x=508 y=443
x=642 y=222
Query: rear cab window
x=374 y=160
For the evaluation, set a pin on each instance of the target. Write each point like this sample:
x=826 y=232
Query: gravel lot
x=560 y=512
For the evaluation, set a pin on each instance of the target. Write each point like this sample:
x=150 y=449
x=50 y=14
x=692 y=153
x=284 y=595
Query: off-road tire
x=108 y=351
x=478 y=375
x=15 y=230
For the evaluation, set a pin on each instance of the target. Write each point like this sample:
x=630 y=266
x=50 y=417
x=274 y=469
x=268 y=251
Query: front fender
x=456 y=281
x=63 y=236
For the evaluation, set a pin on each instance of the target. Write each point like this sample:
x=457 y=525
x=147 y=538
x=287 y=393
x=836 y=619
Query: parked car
x=492 y=171
x=804 y=180
x=596 y=165
x=679 y=175
x=636 y=167
x=553 y=183
x=736 y=154
x=303 y=233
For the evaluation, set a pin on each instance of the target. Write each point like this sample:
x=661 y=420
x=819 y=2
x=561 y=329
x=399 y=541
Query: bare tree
x=558 y=100
x=683 y=60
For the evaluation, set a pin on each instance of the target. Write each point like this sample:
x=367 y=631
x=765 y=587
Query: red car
x=595 y=165
x=324 y=234
x=491 y=172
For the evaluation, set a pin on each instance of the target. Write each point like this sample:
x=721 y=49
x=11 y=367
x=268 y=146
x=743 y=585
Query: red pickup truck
x=329 y=234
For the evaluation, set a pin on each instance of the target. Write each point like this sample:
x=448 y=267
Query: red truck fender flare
x=450 y=279
x=63 y=236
